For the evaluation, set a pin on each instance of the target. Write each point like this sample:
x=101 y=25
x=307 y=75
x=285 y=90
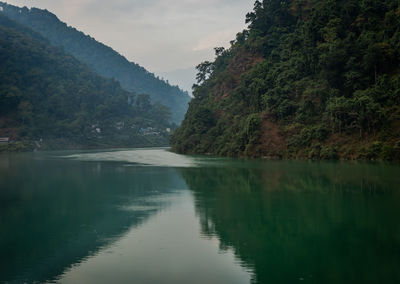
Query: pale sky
x=160 y=35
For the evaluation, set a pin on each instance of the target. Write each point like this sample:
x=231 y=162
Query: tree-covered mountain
x=49 y=99
x=101 y=58
x=306 y=79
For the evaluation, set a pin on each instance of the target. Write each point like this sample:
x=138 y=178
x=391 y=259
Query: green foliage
x=204 y=70
x=253 y=122
x=329 y=153
x=47 y=95
x=324 y=72
x=20 y=146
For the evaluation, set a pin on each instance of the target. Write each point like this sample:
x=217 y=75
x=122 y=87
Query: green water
x=151 y=216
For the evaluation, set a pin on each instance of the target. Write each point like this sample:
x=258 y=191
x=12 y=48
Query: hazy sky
x=160 y=35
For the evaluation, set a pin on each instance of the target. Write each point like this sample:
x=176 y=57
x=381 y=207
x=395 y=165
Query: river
x=152 y=216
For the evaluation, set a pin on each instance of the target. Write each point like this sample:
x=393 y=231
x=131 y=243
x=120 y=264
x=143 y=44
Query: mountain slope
x=102 y=59
x=50 y=97
x=307 y=79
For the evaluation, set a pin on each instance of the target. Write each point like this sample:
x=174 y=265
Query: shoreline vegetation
x=306 y=80
x=65 y=144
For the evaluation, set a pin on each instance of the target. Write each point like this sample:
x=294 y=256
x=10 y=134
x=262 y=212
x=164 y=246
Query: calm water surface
x=151 y=216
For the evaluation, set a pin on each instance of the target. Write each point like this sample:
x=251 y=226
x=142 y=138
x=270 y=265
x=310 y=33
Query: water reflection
x=151 y=157
x=299 y=221
x=102 y=217
x=55 y=213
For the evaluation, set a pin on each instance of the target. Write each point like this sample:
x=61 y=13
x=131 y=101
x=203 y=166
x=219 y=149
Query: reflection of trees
x=323 y=223
x=61 y=212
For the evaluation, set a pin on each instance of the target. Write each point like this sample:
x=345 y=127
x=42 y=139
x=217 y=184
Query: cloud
x=216 y=39
x=75 y=7
x=161 y=35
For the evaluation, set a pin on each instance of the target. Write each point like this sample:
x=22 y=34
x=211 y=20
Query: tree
x=204 y=71
x=219 y=50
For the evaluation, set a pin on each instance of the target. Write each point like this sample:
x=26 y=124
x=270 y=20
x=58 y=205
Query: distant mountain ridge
x=101 y=58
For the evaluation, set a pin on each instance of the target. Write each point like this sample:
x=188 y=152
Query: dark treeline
x=47 y=95
x=102 y=59
x=307 y=79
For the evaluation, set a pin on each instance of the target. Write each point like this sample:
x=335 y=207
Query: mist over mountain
x=101 y=58
x=185 y=78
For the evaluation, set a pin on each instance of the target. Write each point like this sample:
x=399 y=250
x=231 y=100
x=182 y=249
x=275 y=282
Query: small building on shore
x=4 y=140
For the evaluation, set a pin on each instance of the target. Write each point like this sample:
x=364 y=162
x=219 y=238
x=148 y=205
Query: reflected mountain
x=60 y=212
x=300 y=221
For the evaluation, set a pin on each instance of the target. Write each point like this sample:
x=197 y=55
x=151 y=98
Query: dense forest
x=102 y=59
x=48 y=99
x=316 y=79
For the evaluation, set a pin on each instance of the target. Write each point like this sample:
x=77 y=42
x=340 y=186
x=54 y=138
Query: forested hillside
x=48 y=99
x=307 y=79
x=102 y=59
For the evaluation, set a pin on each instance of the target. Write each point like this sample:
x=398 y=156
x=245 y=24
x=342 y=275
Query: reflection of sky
x=54 y=213
x=165 y=249
x=151 y=157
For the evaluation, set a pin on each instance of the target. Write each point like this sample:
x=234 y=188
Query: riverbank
x=68 y=144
